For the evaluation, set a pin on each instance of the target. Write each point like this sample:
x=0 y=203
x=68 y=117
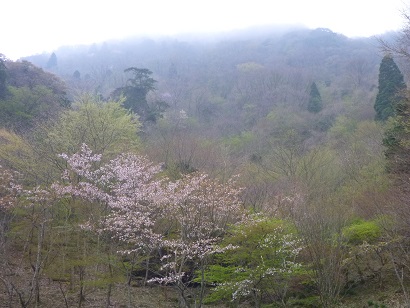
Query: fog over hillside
x=261 y=167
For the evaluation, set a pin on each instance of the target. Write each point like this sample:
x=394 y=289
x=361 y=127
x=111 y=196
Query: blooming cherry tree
x=200 y=210
x=126 y=186
x=183 y=220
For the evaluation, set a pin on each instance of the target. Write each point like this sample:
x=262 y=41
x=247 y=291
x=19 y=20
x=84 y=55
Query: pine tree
x=391 y=85
x=315 y=100
x=135 y=93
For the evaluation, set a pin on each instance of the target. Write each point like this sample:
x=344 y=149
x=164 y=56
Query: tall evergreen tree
x=135 y=93
x=391 y=85
x=3 y=77
x=315 y=103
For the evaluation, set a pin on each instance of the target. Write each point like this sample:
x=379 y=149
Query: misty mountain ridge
x=265 y=35
x=294 y=46
x=253 y=71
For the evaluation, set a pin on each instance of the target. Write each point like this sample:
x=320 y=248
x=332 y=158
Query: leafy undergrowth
x=56 y=294
x=376 y=292
x=52 y=296
x=387 y=294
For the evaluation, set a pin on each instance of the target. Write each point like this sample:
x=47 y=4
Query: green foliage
x=393 y=134
x=25 y=74
x=307 y=302
x=25 y=107
x=371 y=303
x=397 y=142
x=48 y=234
x=315 y=103
x=391 y=84
x=16 y=153
x=286 y=127
x=240 y=142
x=255 y=99
x=320 y=172
x=342 y=128
x=33 y=96
x=359 y=152
x=362 y=231
x=263 y=262
x=106 y=127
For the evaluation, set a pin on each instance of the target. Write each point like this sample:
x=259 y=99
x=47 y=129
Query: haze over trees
x=246 y=171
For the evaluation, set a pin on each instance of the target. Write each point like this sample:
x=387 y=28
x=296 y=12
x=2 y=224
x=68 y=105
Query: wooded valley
x=264 y=168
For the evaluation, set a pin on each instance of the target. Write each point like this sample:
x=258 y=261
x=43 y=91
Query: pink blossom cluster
x=9 y=188
x=186 y=218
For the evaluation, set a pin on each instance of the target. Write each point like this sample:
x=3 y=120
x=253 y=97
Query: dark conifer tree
x=391 y=87
x=52 y=61
x=135 y=93
x=3 y=77
x=315 y=103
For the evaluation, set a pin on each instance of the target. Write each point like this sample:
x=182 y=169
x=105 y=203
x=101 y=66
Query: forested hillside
x=256 y=169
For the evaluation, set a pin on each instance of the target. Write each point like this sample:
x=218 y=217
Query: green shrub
x=262 y=265
x=362 y=231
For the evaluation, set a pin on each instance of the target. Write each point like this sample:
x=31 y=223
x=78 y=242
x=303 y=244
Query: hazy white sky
x=33 y=26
